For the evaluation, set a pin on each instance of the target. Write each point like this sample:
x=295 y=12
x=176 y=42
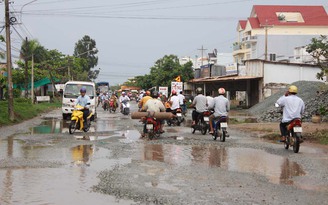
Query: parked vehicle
x=125 y=107
x=220 y=128
x=72 y=91
x=202 y=122
x=77 y=121
x=178 y=119
x=294 y=136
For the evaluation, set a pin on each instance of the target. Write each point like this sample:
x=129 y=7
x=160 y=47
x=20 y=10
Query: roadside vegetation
x=25 y=110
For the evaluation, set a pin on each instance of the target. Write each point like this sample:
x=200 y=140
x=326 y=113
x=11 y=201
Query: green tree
x=86 y=49
x=29 y=48
x=164 y=72
x=318 y=49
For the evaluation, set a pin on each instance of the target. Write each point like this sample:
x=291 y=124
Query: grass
x=320 y=136
x=24 y=110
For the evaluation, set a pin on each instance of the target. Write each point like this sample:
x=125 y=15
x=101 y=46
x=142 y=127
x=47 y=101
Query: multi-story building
x=273 y=32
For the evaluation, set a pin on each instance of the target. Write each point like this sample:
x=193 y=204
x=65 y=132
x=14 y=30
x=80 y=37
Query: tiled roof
x=242 y=24
x=312 y=15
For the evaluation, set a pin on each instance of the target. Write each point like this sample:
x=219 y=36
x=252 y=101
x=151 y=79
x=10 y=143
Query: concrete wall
x=281 y=45
x=289 y=73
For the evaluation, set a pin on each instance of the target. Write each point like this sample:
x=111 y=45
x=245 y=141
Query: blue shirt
x=83 y=101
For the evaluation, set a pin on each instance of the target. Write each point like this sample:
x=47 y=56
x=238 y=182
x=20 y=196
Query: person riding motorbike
x=174 y=101
x=84 y=101
x=155 y=105
x=200 y=103
x=293 y=107
x=143 y=100
x=221 y=107
x=123 y=97
x=182 y=102
x=114 y=98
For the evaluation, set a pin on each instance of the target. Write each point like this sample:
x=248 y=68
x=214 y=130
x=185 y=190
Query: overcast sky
x=132 y=34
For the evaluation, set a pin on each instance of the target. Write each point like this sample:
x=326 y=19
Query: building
x=270 y=53
x=262 y=34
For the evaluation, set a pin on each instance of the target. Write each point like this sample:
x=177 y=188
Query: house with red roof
x=272 y=32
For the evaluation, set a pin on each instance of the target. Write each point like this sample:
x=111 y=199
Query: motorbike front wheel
x=72 y=127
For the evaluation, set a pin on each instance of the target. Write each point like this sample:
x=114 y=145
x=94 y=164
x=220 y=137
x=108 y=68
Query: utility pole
x=266 y=27
x=202 y=49
x=9 y=78
x=32 y=80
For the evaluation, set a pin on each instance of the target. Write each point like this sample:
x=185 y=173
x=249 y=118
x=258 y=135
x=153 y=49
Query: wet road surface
x=43 y=164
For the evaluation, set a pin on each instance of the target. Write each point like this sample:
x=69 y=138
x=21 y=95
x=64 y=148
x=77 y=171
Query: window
x=290 y=17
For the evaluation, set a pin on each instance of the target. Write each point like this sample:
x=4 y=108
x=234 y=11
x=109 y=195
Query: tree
x=86 y=49
x=164 y=72
x=28 y=49
x=318 y=49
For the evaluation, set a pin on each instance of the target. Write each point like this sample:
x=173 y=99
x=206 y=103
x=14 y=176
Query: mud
x=112 y=165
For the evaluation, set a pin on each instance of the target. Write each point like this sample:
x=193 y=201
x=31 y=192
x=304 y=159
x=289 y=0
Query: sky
x=131 y=35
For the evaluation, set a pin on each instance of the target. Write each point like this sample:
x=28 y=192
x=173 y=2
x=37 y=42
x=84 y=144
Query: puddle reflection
x=278 y=170
x=82 y=154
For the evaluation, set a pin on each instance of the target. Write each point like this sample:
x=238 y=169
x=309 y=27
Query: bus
x=102 y=87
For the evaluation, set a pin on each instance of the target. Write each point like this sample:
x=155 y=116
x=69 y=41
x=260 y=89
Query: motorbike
x=178 y=119
x=202 y=122
x=106 y=104
x=77 y=121
x=125 y=107
x=220 y=128
x=294 y=133
x=112 y=105
x=294 y=136
x=152 y=126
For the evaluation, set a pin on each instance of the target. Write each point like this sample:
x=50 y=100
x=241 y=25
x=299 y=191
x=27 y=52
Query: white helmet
x=221 y=91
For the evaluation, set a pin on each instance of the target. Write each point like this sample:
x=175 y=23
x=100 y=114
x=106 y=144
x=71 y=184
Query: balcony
x=249 y=39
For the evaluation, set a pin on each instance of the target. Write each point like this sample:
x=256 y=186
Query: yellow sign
x=178 y=79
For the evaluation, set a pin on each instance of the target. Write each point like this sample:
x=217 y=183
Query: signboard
x=231 y=69
x=164 y=90
x=177 y=86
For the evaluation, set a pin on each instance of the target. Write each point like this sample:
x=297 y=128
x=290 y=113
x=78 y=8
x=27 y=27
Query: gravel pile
x=314 y=95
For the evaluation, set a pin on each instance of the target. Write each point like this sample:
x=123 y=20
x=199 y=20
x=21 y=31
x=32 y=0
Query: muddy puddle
x=70 y=181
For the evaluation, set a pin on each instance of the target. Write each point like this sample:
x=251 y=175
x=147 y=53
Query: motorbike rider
x=293 y=107
x=143 y=100
x=210 y=101
x=84 y=101
x=123 y=98
x=174 y=101
x=221 y=108
x=155 y=105
x=200 y=105
x=182 y=102
x=114 y=98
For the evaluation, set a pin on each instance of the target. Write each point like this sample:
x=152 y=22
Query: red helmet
x=148 y=93
x=174 y=92
x=221 y=91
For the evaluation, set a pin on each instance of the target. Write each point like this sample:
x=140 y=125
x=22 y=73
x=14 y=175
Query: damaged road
x=40 y=163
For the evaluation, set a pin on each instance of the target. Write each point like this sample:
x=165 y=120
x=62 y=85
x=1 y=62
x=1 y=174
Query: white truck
x=72 y=91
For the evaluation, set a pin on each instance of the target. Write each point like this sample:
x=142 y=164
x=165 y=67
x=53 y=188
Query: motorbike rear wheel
x=223 y=135
x=296 y=146
x=86 y=129
x=72 y=127
x=204 y=128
